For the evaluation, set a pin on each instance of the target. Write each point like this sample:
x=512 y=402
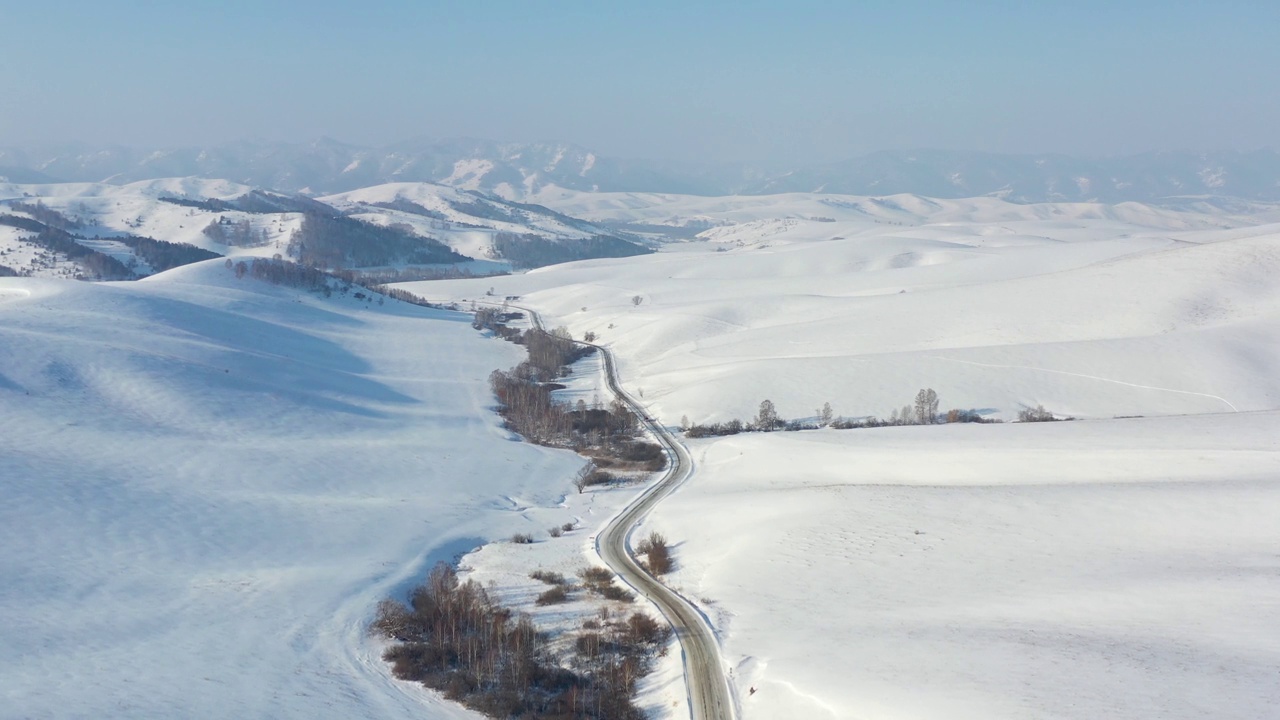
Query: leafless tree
x=926 y=406
x=767 y=418
x=583 y=477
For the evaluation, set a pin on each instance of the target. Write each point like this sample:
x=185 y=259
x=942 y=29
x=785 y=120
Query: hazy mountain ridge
x=1044 y=178
x=516 y=171
x=395 y=225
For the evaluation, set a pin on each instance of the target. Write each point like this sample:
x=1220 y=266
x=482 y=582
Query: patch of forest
x=163 y=255
x=527 y=251
x=452 y=637
x=338 y=242
x=159 y=254
x=255 y=202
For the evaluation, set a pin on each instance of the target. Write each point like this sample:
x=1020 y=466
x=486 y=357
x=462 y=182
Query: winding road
x=708 y=687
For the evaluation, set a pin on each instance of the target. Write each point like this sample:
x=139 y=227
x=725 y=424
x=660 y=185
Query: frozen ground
x=208 y=485
x=1102 y=569
x=1113 y=311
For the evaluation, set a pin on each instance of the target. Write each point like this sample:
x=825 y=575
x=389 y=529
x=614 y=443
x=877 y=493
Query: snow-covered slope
x=1090 y=310
x=140 y=208
x=1077 y=571
x=471 y=223
x=1109 y=568
x=232 y=219
x=209 y=484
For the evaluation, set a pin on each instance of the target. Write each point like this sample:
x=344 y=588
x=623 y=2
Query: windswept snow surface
x=1103 y=569
x=1107 y=568
x=1111 y=311
x=209 y=484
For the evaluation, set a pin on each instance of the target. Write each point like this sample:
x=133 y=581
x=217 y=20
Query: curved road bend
x=709 y=697
x=704 y=675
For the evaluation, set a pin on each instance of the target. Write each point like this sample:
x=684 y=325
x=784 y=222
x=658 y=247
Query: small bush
x=968 y=416
x=1038 y=414
x=643 y=629
x=567 y=527
x=554 y=596
x=655 y=547
x=613 y=592
x=548 y=577
x=595 y=575
x=522 y=539
x=555 y=532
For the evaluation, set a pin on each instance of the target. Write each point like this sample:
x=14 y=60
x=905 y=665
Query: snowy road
x=709 y=696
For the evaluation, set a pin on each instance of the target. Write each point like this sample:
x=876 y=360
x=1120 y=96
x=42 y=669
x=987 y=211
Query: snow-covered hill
x=1104 y=568
x=385 y=226
x=1090 y=310
x=221 y=449
x=209 y=483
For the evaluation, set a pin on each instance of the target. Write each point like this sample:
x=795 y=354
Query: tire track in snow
x=1090 y=377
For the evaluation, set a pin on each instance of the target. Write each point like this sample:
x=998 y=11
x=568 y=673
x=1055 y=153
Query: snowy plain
x=1113 y=567
x=1076 y=570
x=210 y=483
x=1111 y=311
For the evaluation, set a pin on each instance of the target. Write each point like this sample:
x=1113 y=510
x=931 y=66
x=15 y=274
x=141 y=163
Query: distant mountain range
x=518 y=171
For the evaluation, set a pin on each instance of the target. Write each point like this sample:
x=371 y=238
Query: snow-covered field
x=209 y=484
x=1118 y=311
x=1102 y=569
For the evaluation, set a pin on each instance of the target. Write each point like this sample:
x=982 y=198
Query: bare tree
x=583 y=476
x=825 y=415
x=926 y=406
x=636 y=300
x=767 y=418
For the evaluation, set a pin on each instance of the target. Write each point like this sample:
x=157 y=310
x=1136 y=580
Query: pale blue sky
x=752 y=81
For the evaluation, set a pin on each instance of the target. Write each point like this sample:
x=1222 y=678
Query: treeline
x=236 y=233
x=524 y=392
x=48 y=216
x=452 y=637
x=923 y=411
x=278 y=271
x=22 y=223
x=162 y=255
x=495 y=321
x=338 y=241
x=208 y=204
x=159 y=254
x=96 y=265
x=609 y=436
x=527 y=251
x=256 y=202
x=408 y=206
x=394 y=275
x=402 y=295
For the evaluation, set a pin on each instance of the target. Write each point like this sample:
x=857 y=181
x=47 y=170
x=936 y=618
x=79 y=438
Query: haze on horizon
x=751 y=82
